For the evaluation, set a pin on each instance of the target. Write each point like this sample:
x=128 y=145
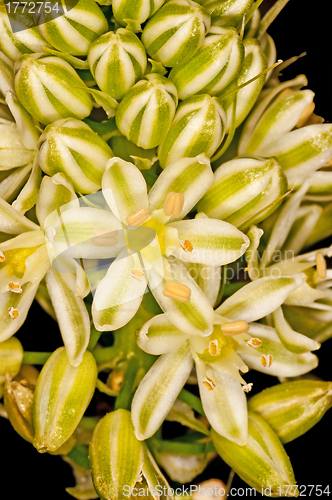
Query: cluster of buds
x=147 y=149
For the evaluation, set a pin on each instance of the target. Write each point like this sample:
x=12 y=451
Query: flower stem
x=182 y=448
x=79 y=455
x=191 y=400
x=125 y=396
x=35 y=358
x=270 y=16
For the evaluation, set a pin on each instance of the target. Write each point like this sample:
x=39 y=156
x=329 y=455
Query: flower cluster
x=165 y=198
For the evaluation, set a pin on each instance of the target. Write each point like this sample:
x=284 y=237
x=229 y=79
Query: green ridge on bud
x=125 y=11
x=62 y=395
x=24 y=41
x=198 y=127
x=117 y=60
x=71 y=147
x=213 y=66
x=175 y=32
x=11 y=356
x=18 y=400
x=262 y=462
x=50 y=89
x=292 y=408
x=227 y=13
x=146 y=112
x=244 y=187
x=73 y=32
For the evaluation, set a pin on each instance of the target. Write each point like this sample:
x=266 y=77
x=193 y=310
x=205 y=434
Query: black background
x=25 y=472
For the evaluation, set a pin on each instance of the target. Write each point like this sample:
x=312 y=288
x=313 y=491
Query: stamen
x=321 y=265
x=208 y=383
x=305 y=115
x=235 y=327
x=13 y=313
x=138 y=217
x=137 y=274
x=14 y=287
x=2 y=257
x=213 y=347
x=266 y=360
x=254 y=342
x=105 y=237
x=187 y=246
x=173 y=204
x=115 y=380
x=247 y=387
x=177 y=291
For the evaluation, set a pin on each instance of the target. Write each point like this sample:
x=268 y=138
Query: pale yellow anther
x=177 y=291
x=213 y=347
x=235 y=327
x=2 y=257
x=266 y=360
x=247 y=387
x=138 y=217
x=105 y=237
x=305 y=115
x=321 y=265
x=115 y=380
x=137 y=274
x=254 y=342
x=14 y=287
x=208 y=383
x=187 y=246
x=13 y=313
x=173 y=204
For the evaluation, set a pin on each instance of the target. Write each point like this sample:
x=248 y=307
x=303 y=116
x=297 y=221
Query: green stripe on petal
x=160 y=336
x=12 y=222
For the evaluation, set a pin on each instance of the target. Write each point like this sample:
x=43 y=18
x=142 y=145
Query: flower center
x=159 y=227
x=15 y=260
x=220 y=346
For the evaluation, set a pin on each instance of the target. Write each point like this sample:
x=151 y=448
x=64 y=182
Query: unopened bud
x=11 y=355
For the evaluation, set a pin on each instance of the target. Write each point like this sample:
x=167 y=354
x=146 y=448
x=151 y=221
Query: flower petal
x=160 y=336
x=12 y=222
x=153 y=399
x=292 y=340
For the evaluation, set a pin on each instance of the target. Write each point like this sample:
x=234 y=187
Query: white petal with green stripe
x=14 y=181
x=305 y=222
x=175 y=32
x=139 y=11
x=71 y=147
x=25 y=123
x=117 y=61
x=229 y=13
x=208 y=278
x=259 y=298
x=50 y=89
x=119 y=294
x=194 y=317
x=146 y=112
x=160 y=336
x=28 y=196
x=321 y=186
x=116 y=456
x=152 y=400
x=292 y=340
x=13 y=153
x=225 y=405
x=12 y=222
x=74 y=31
x=124 y=189
x=6 y=73
x=245 y=191
x=61 y=397
x=214 y=65
x=198 y=128
x=213 y=242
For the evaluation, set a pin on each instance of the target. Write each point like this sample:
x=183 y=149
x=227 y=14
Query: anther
x=321 y=265
x=254 y=342
x=137 y=274
x=266 y=360
x=177 y=291
x=13 y=313
x=187 y=246
x=208 y=383
x=14 y=287
x=247 y=387
x=138 y=217
x=235 y=327
x=305 y=115
x=105 y=237
x=115 y=380
x=173 y=204
x=2 y=257
x=213 y=347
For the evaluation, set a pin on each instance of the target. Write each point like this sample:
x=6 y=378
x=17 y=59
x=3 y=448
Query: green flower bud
x=245 y=191
x=13 y=154
x=117 y=61
x=227 y=13
x=62 y=395
x=50 y=89
x=198 y=127
x=213 y=66
x=25 y=40
x=146 y=112
x=11 y=355
x=18 y=399
x=175 y=32
x=73 y=32
x=292 y=408
x=262 y=462
x=71 y=147
x=125 y=11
